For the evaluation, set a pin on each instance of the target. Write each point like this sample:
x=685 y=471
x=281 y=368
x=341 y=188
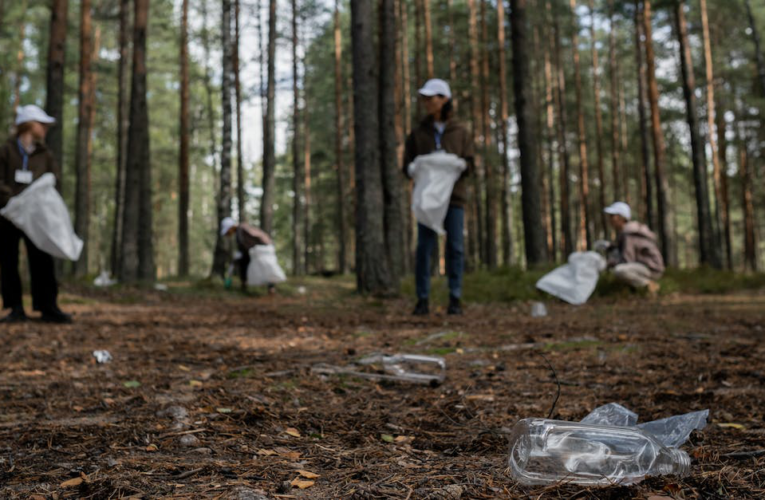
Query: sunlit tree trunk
x=647 y=182
x=183 y=157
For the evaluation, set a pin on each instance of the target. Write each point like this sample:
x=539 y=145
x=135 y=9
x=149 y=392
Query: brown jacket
x=248 y=237
x=456 y=140
x=40 y=162
x=637 y=243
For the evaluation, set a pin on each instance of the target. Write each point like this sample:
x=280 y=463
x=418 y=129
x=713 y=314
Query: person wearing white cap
x=23 y=159
x=636 y=259
x=439 y=131
x=246 y=237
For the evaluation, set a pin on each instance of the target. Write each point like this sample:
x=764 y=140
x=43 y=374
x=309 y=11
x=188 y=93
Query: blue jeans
x=455 y=253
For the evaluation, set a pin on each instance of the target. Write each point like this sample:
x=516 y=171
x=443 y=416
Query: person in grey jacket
x=635 y=258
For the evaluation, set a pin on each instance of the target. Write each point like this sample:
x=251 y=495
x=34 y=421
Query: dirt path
x=215 y=398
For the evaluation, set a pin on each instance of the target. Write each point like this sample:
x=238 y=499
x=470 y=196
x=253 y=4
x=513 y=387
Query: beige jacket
x=637 y=243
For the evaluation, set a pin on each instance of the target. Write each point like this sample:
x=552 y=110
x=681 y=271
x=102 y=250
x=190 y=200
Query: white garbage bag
x=264 y=269
x=434 y=177
x=574 y=282
x=40 y=212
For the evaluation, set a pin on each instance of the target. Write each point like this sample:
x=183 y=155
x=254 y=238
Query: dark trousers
x=455 y=253
x=41 y=270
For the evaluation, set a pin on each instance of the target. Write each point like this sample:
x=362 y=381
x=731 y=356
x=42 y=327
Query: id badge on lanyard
x=23 y=176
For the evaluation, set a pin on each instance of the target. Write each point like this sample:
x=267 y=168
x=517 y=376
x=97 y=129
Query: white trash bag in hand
x=40 y=212
x=434 y=177
x=574 y=282
x=264 y=268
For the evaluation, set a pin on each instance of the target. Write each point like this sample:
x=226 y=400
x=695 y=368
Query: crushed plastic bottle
x=414 y=368
x=538 y=310
x=549 y=451
x=102 y=356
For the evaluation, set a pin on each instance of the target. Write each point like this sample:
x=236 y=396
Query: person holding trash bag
x=247 y=237
x=440 y=132
x=23 y=159
x=635 y=258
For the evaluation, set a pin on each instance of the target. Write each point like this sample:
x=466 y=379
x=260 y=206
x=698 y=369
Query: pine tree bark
x=82 y=150
x=475 y=105
x=452 y=50
x=269 y=153
x=54 y=103
x=241 y=194
x=428 y=38
x=550 y=137
x=757 y=46
x=720 y=211
x=530 y=197
x=223 y=201
x=750 y=244
x=419 y=49
x=137 y=257
x=391 y=176
x=647 y=183
x=598 y=121
x=298 y=177
x=183 y=157
x=123 y=122
x=722 y=152
x=707 y=249
x=211 y=115
x=507 y=215
x=308 y=241
x=616 y=171
x=664 y=224
x=404 y=9
x=585 y=238
x=342 y=219
x=373 y=274
x=567 y=240
x=489 y=169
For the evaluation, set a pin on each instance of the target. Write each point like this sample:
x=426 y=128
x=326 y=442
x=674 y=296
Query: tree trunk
x=598 y=122
x=241 y=194
x=211 y=115
x=419 y=50
x=183 y=174
x=538 y=130
x=585 y=239
x=405 y=66
x=750 y=245
x=428 y=38
x=84 y=125
x=298 y=177
x=507 y=214
x=491 y=183
x=342 y=218
x=477 y=131
x=269 y=154
x=399 y=126
x=720 y=213
x=223 y=201
x=567 y=240
x=123 y=122
x=530 y=198
x=308 y=243
x=452 y=51
x=757 y=46
x=20 y=55
x=54 y=103
x=722 y=152
x=708 y=253
x=616 y=172
x=137 y=256
x=389 y=159
x=662 y=187
x=373 y=275
x=647 y=183
x=550 y=136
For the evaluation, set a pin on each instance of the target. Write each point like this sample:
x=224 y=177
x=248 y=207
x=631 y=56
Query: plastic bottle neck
x=682 y=462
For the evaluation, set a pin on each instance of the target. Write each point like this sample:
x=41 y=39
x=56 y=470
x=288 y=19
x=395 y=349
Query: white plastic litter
x=40 y=212
x=538 y=310
x=160 y=287
x=409 y=368
x=574 y=282
x=104 y=280
x=264 y=268
x=102 y=356
x=434 y=177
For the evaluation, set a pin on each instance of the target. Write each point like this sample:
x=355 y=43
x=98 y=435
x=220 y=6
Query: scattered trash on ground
x=538 y=310
x=102 y=356
x=104 y=280
x=574 y=282
x=605 y=448
x=412 y=368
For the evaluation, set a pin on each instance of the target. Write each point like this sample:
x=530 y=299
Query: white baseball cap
x=436 y=87
x=32 y=113
x=619 y=208
x=226 y=225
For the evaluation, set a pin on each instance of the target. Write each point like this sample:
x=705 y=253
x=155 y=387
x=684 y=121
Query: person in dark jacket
x=23 y=159
x=247 y=237
x=440 y=132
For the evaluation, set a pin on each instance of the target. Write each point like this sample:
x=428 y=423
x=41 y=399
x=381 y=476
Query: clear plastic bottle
x=549 y=451
x=410 y=367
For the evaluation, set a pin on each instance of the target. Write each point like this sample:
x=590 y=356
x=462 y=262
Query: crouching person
x=247 y=237
x=635 y=258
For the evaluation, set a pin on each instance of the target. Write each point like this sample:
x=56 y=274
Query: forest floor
x=212 y=395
